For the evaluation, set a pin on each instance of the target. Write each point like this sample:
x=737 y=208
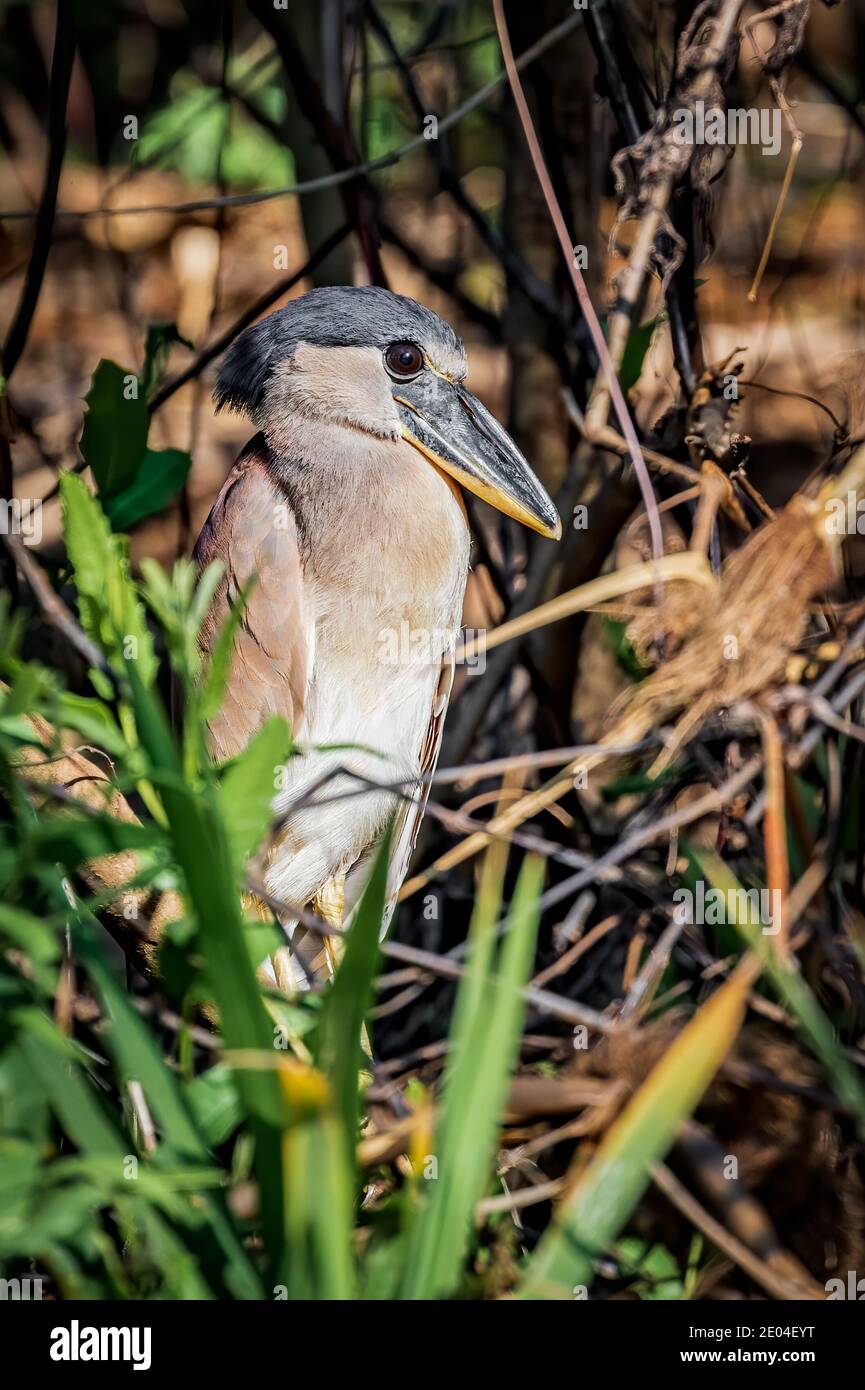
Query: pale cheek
x=344 y=386
x=340 y=405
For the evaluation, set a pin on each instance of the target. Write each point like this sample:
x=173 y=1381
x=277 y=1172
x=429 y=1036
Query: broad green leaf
x=19 y=728
x=115 y=428
x=656 y=1268
x=70 y=839
x=189 y=133
x=636 y=348
x=160 y=475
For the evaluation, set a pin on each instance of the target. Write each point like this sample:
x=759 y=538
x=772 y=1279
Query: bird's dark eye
x=403 y=360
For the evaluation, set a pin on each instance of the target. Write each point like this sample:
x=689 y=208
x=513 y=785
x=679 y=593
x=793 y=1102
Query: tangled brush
x=732 y=647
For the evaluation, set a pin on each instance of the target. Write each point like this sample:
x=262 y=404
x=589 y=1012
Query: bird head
x=369 y=360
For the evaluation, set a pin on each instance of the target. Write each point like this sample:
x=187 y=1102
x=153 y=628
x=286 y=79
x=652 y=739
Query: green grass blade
x=110 y=610
x=789 y=985
x=484 y=1049
x=338 y=1052
x=92 y=1133
x=320 y=1211
x=51 y=1057
x=202 y=849
x=201 y=845
x=247 y=788
x=138 y=1059
x=608 y=1190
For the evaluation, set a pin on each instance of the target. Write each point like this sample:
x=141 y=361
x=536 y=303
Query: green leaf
x=73 y=1101
x=204 y=590
x=107 y=603
x=202 y=848
x=216 y=677
x=214 y=1102
x=658 y=1270
x=161 y=474
x=189 y=133
x=636 y=348
x=70 y=839
x=93 y=719
x=139 y=1059
x=247 y=787
x=319 y=1212
x=18 y=728
x=338 y=1051
x=485 y=1035
x=616 y=634
x=29 y=933
x=136 y=1053
x=115 y=428
x=161 y=337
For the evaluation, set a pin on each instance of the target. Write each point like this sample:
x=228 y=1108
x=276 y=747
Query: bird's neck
x=380 y=526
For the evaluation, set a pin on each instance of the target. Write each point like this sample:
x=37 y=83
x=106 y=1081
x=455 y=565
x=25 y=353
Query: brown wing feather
x=253 y=531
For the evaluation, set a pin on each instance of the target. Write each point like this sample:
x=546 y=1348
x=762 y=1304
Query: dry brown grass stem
x=680 y=567
x=775 y=1284
x=774 y=826
x=784 y=106
x=732 y=647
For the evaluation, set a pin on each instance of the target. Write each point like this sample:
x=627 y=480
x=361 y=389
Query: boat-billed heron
x=347 y=508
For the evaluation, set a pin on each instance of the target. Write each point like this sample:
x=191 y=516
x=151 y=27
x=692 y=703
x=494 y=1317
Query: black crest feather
x=333 y=316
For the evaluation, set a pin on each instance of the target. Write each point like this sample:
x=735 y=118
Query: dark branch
x=61 y=72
